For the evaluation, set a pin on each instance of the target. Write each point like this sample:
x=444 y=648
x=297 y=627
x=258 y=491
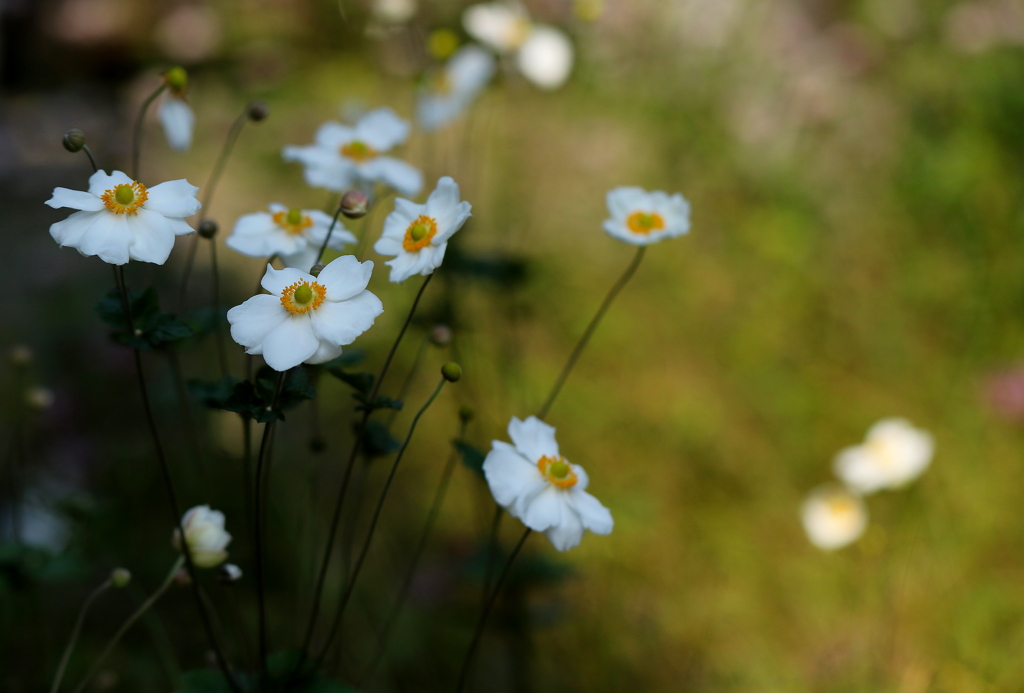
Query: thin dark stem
x=428 y=528
x=339 y=501
x=92 y=159
x=492 y=548
x=482 y=622
x=137 y=133
x=589 y=332
x=75 y=632
x=350 y=587
x=407 y=383
x=327 y=238
x=261 y=457
x=165 y=470
x=218 y=333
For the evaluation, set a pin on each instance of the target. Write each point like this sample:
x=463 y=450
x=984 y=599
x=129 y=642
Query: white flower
x=178 y=120
x=893 y=454
x=306 y=319
x=417 y=235
x=546 y=57
x=533 y=482
x=294 y=235
x=344 y=157
x=120 y=219
x=455 y=87
x=503 y=26
x=833 y=517
x=394 y=11
x=641 y=218
x=205 y=536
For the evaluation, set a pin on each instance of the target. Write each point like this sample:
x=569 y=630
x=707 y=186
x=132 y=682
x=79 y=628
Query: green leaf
x=254 y=399
x=378 y=441
x=360 y=382
x=348 y=358
x=153 y=328
x=472 y=457
x=213 y=393
x=381 y=403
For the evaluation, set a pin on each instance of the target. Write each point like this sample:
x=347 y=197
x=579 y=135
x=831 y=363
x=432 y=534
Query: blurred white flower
x=546 y=57
x=417 y=235
x=833 y=517
x=641 y=218
x=502 y=26
x=306 y=319
x=533 y=482
x=455 y=87
x=294 y=235
x=394 y=11
x=205 y=536
x=893 y=454
x=120 y=219
x=178 y=121
x=344 y=157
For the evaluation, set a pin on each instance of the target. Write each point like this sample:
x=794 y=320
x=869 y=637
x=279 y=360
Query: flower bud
x=204 y=533
x=120 y=577
x=21 y=355
x=229 y=573
x=176 y=78
x=440 y=335
x=354 y=204
x=441 y=43
x=451 y=371
x=466 y=413
x=208 y=228
x=39 y=397
x=74 y=140
x=316 y=269
x=258 y=111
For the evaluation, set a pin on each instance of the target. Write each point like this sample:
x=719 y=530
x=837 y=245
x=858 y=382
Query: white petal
x=345 y=277
x=323 y=168
x=249 y=236
x=595 y=517
x=395 y=173
x=382 y=129
x=508 y=474
x=180 y=227
x=75 y=199
x=470 y=69
x=545 y=58
x=566 y=535
x=178 y=120
x=404 y=214
x=302 y=260
x=451 y=221
x=152 y=237
x=275 y=281
x=252 y=321
x=331 y=135
x=402 y=267
x=625 y=200
x=175 y=198
x=70 y=231
x=545 y=510
x=387 y=246
x=496 y=24
x=290 y=343
x=100 y=182
x=340 y=322
x=533 y=438
x=109 y=239
x=325 y=353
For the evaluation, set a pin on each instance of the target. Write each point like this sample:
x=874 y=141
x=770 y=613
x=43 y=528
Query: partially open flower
x=178 y=121
x=893 y=454
x=122 y=219
x=294 y=235
x=306 y=319
x=205 y=536
x=641 y=218
x=833 y=517
x=417 y=235
x=344 y=157
x=454 y=87
x=533 y=482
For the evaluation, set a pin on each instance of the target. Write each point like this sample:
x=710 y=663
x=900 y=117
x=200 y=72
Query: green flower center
x=418 y=231
x=124 y=195
x=558 y=469
x=294 y=217
x=303 y=294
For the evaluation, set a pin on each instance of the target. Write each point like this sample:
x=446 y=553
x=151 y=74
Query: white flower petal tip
x=546 y=57
x=417 y=235
x=121 y=219
x=306 y=319
x=893 y=454
x=178 y=122
x=454 y=88
x=205 y=536
x=534 y=483
x=833 y=517
x=295 y=235
x=642 y=218
x=502 y=26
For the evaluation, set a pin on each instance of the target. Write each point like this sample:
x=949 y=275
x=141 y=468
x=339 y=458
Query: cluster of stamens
x=645 y=222
x=125 y=198
x=302 y=297
x=557 y=471
x=293 y=221
x=358 y=151
x=419 y=233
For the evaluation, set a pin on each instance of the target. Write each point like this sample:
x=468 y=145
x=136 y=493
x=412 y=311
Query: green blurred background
x=854 y=170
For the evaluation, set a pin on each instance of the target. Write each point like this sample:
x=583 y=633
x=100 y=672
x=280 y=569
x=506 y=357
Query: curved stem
x=92 y=159
x=350 y=587
x=75 y=633
x=137 y=133
x=407 y=383
x=492 y=548
x=131 y=619
x=482 y=622
x=327 y=238
x=589 y=332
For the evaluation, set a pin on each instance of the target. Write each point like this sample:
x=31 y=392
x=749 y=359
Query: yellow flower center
x=293 y=221
x=302 y=297
x=644 y=223
x=557 y=471
x=125 y=198
x=841 y=507
x=358 y=151
x=419 y=233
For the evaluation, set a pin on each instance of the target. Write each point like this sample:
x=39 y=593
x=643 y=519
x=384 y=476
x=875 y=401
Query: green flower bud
x=354 y=204
x=176 y=78
x=208 y=228
x=316 y=269
x=451 y=371
x=466 y=413
x=74 y=140
x=258 y=110
x=120 y=577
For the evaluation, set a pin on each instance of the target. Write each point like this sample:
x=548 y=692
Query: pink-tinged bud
x=440 y=335
x=74 y=140
x=355 y=204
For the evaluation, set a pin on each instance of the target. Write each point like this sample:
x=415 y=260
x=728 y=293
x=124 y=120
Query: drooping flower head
x=454 y=87
x=641 y=218
x=417 y=235
x=893 y=454
x=294 y=235
x=175 y=114
x=344 y=157
x=121 y=219
x=534 y=483
x=205 y=536
x=833 y=517
x=306 y=319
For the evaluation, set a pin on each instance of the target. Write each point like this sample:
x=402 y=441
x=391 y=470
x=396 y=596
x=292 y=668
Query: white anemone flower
x=417 y=235
x=455 y=87
x=178 y=121
x=503 y=26
x=294 y=235
x=546 y=57
x=533 y=482
x=306 y=319
x=343 y=157
x=833 y=517
x=893 y=454
x=121 y=219
x=205 y=536
x=641 y=218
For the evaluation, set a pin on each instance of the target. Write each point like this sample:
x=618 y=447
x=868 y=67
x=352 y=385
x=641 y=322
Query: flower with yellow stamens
x=120 y=219
x=833 y=517
x=294 y=235
x=417 y=235
x=641 y=218
x=534 y=483
x=893 y=454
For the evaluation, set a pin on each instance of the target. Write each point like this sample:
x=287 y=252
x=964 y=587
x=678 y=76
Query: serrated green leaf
x=471 y=456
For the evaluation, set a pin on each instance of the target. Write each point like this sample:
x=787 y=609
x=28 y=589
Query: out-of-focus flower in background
x=893 y=454
x=176 y=115
x=833 y=517
x=189 y=33
x=641 y=218
x=1005 y=393
x=394 y=11
x=454 y=87
x=976 y=26
x=294 y=235
x=205 y=536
